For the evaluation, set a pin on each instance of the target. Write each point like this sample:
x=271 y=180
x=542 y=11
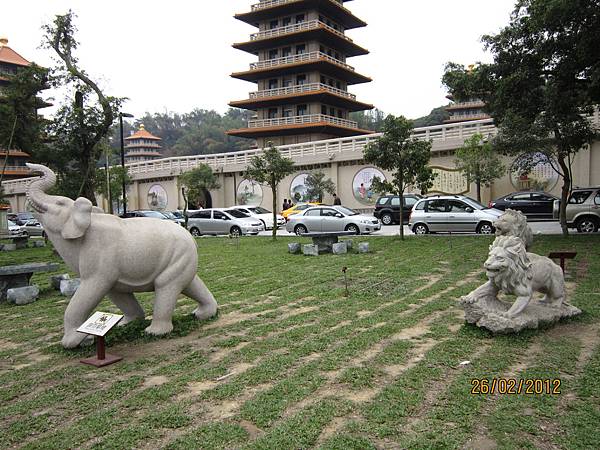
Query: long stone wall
x=155 y=183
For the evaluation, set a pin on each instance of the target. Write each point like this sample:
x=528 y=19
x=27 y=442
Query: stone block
x=294 y=248
x=23 y=295
x=68 y=287
x=9 y=247
x=38 y=244
x=310 y=250
x=56 y=279
x=363 y=247
x=340 y=248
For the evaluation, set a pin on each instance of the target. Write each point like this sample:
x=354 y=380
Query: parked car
x=220 y=221
x=535 y=205
x=452 y=213
x=331 y=218
x=33 y=228
x=264 y=215
x=583 y=209
x=144 y=213
x=23 y=217
x=387 y=208
x=13 y=229
x=297 y=208
x=173 y=217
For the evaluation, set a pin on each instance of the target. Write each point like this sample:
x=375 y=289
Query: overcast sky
x=176 y=55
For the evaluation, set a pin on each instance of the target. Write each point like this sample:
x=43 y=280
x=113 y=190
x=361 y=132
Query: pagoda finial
x=3 y=41
x=142 y=127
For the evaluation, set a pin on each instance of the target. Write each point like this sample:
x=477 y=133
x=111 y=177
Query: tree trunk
x=401 y=208
x=564 y=195
x=478 y=184
x=274 y=191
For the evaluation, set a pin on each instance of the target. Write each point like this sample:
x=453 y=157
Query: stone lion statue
x=514 y=271
x=514 y=223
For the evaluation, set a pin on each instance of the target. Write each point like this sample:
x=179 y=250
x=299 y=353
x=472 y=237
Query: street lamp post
x=121 y=115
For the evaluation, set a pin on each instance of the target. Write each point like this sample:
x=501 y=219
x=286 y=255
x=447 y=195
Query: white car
x=216 y=221
x=323 y=219
x=14 y=229
x=262 y=214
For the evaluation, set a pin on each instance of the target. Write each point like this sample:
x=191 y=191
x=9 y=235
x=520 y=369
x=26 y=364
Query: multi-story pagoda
x=465 y=111
x=302 y=76
x=10 y=63
x=142 y=146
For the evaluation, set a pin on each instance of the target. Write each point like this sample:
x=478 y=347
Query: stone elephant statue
x=117 y=257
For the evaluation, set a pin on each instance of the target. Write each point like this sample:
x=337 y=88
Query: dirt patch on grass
x=155 y=381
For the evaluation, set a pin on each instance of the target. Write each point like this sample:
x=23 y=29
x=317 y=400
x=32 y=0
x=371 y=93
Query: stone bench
x=325 y=240
x=18 y=242
x=19 y=275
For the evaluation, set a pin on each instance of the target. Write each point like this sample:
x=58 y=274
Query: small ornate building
x=142 y=146
x=10 y=63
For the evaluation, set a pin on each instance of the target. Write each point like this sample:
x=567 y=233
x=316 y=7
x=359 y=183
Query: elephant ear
x=79 y=220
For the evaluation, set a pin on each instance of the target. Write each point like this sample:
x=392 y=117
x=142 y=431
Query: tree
x=196 y=182
x=405 y=156
x=479 y=162
x=435 y=117
x=317 y=185
x=544 y=80
x=369 y=120
x=78 y=127
x=112 y=189
x=269 y=169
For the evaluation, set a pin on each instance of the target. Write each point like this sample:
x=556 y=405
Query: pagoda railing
x=470 y=104
x=294 y=59
x=467 y=117
x=299 y=89
x=304 y=26
x=299 y=120
x=272 y=3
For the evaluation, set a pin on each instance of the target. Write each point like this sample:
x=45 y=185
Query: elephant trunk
x=36 y=191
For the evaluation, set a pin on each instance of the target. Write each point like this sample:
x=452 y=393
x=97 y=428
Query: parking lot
x=546 y=228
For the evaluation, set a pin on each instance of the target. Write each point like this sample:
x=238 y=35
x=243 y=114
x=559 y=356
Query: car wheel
x=195 y=232
x=300 y=230
x=485 y=228
x=420 y=228
x=587 y=225
x=353 y=229
x=25 y=234
x=235 y=231
x=387 y=219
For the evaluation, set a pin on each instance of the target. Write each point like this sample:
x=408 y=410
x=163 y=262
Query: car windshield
x=169 y=215
x=154 y=214
x=237 y=214
x=11 y=223
x=177 y=214
x=259 y=210
x=474 y=203
x=346 y=211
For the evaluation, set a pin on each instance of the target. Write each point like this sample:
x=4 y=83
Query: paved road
x=393 y=230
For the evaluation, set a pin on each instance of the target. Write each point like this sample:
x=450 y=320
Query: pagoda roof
x=321 y=95
x=142 y=134
x=333 y=9
x=9 y=56
x=286 y=130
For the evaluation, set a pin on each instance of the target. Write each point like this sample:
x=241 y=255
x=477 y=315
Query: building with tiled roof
x=302 y=75
x=10 y=63
x=142 y=146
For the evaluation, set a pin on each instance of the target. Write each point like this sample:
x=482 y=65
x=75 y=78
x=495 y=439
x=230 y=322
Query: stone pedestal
x=9 y=247
x=294 y=248
x=340 y=248
x=38 y=244
x=489 y=313
x=348 y=244
x=69 y=287
x=23 y=295
x=363 y=247
x=56 y=279
x=310 y=250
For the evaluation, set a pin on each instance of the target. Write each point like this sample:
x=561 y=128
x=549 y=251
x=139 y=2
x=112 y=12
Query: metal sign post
x=98 y=325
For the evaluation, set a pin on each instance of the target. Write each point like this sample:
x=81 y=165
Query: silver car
x=452 y=213
x=583 y=209
x=215 y=221
x=320 y=219
x=32 y=228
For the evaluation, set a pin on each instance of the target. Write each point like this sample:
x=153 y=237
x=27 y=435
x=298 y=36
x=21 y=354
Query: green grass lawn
x=290 y=362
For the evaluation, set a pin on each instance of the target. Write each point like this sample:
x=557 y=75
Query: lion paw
x=158 y=329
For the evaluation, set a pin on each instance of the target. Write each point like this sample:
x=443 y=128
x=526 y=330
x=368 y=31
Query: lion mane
x=508 y=255
x=514 y=223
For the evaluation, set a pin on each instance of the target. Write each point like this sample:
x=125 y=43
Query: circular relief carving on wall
x=361 y=185
x=249 y=192
x=157 y=197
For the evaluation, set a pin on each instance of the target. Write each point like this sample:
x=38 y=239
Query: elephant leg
x=86 y=298
x=164 y=304
x=128 y=304
x=207 y=306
